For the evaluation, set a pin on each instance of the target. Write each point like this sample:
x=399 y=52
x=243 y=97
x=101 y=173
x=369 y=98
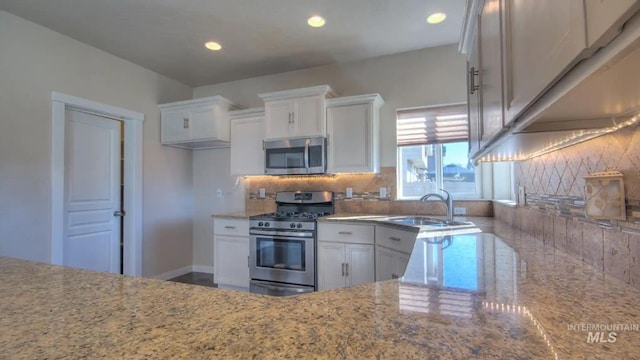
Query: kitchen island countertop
x=538 y=311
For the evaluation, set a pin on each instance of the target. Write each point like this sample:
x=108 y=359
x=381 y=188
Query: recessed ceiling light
x=436 y=18
x=212 y=45
x=316 y=21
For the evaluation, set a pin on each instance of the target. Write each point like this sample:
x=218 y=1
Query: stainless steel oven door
x=282 y=258
x=277 y=289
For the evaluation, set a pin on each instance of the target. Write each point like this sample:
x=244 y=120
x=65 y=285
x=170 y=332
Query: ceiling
x=259 y=37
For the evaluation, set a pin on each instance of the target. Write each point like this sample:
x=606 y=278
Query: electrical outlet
x=349 y=193
x=459 y=211
x=383 y=192
x=263 y=193
x=219 y=193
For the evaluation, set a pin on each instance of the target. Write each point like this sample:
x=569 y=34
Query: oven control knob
x=292 y=225
x=260 y=223
x=299 y=226
x=266 y=224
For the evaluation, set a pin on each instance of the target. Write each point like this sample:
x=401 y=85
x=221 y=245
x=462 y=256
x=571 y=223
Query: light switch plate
x=349 y=193
x=262 y=193
x=383 y=192
x=219 y=193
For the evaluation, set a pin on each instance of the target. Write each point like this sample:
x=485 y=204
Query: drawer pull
x=229 y=227
x=345 y=233
x=394 y=238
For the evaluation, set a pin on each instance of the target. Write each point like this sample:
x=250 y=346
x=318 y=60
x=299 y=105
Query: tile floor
x=196 y=278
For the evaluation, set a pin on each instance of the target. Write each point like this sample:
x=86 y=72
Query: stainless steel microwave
x=295 y=156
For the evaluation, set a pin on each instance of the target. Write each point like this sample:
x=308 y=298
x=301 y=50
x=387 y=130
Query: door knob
x=120 y=213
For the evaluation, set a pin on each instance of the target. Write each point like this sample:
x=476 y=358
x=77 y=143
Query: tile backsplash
x=555 y=199
x=366 y=194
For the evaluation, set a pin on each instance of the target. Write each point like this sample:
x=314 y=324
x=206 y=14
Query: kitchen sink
x=426 y=221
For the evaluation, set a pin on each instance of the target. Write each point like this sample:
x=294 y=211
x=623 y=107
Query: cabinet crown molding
x=243 y=113
x=210 y=100
x=469 y=31
x=324 y=90
x=376 y=99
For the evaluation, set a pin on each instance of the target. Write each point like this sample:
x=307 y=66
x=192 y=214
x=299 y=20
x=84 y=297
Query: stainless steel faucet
x=448 y=202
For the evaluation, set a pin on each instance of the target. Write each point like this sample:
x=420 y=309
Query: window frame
x=439 y=177
x=400 y=167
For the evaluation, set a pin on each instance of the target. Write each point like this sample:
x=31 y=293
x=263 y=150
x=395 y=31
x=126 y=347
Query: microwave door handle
x=306 y=155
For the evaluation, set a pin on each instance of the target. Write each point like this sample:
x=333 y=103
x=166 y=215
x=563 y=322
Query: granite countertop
x=517 y=299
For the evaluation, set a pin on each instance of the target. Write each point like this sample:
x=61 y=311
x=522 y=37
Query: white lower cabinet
x=342 y=265
x=231 y=253
x=345 y=255
x=390 y=264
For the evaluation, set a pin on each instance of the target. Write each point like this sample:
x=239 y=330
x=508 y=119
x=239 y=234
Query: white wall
x=211 y=172
x=33 y=62
x=418 y=78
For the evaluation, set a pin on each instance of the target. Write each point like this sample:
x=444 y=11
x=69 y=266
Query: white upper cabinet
x=541 y=66
x=295 y=113
x=491 y=69
x=247 y=133
x=196 y=124
x=474 y=100
x=546 y=38
x=353 y=134
x=606 y=17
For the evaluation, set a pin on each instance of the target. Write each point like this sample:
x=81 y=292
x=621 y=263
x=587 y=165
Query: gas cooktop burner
x=294 y=215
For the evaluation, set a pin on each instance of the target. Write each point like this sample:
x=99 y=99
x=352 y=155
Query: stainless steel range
x=283 y=244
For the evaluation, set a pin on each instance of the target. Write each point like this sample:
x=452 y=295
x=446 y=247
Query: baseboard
x=173 y=273
x=203 y=269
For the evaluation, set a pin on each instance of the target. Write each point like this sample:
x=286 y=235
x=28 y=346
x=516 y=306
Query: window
x=433 y=153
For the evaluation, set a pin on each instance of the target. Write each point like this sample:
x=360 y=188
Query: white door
x=92 y=192
x=247 y=154
x=232 y=258
x=308 y=119
x=385 y=264
x=330 y=266
x=349 y=131
x=278 y=119
x=360 y=265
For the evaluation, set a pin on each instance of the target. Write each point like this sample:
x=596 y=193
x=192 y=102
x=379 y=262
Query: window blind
x=433 y=125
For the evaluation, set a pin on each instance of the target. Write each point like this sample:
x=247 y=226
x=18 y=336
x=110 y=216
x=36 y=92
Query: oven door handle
x=284 y=234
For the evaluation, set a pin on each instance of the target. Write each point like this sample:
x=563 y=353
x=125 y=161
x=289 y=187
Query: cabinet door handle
x=394 y=238
x=472 y=80
x=346 y=267
x=248 y=261
x=343 y=269
x=345 y=233
x=185 y=123
x=229 y=227
x=289 y=118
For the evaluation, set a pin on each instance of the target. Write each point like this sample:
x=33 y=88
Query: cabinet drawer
x=396 y=239
x=234 y=227
x=346 y=233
